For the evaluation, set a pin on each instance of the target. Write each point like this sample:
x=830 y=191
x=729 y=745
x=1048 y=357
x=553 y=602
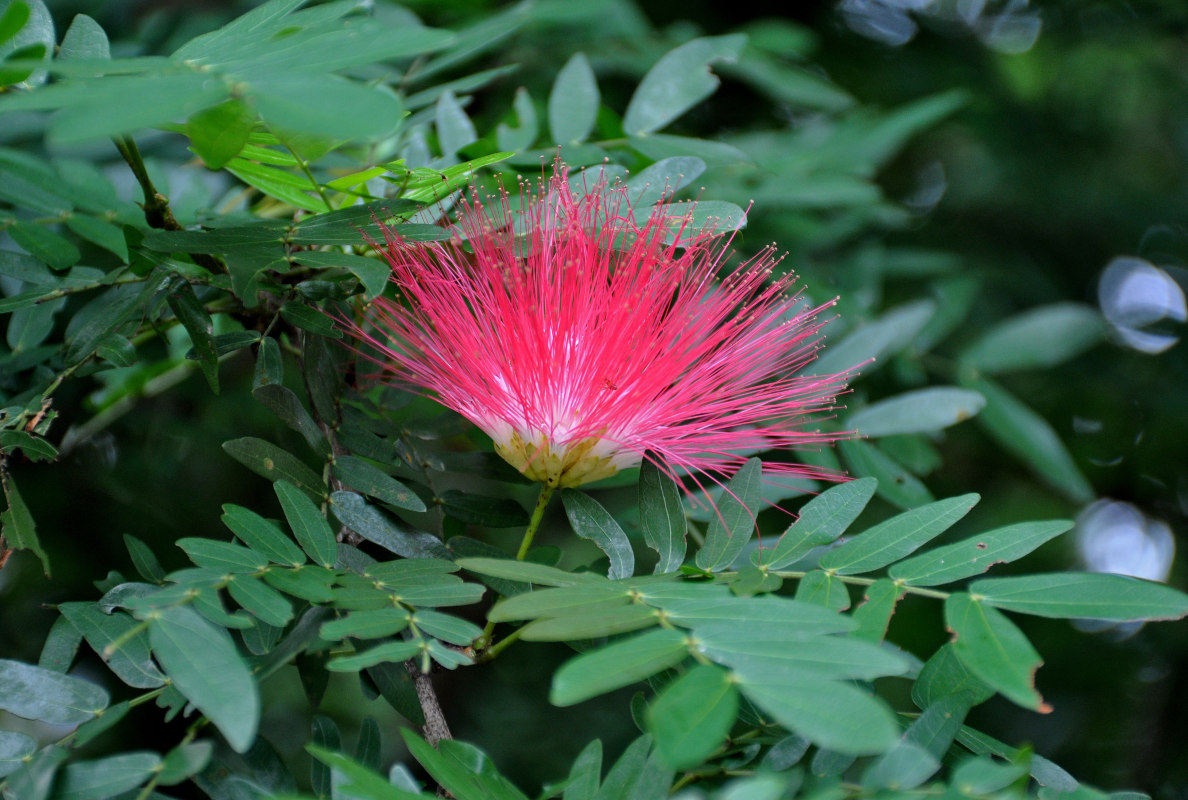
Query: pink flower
x=580 y=338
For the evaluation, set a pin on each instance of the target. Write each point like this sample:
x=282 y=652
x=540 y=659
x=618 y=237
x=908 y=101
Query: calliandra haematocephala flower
x=581 y=334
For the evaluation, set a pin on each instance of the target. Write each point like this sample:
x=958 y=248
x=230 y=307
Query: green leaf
x=591 y=624
x=41 y=694
x=309 y=526
x=120 y=104
x=1044 y=771
x=36 y=448
x=344 y=227
x=935 y=729
x=105 y=777
x=375 y=624
x=662 y=517
x=560 y=601
x=218 y=134
x=885 y=336
x=325 y=105
x=270 y=367
x=793 y=652
x=260 y=600
x=130 y=661
x=522 y=136
x=834 y=715
x=585 y=773
x=945 y=675
x=919 y=411
x=1041 y=337
x=454 y=128
x=994 y=650
x=359 y=781
x=374 y=526
x=283 y=402
x=278 y=183
x=102 y=233
x=222 y=556
x=464 y=771
x=897 y=537
x=678 y=81
x=662 y=180
x=310 y=319
x=86 y=40
x=820 y=522
x=981 y=776
x=33 y=779
x=976 y=554
x=205 y=667
x=197 y=322
x=896 y=484
x=373 y=482
x=15 y=15
x=823 y=589
x=1030 y=438
x=658 y=146
x=184 y=761
x=903 y=767
x=526 y=572
x=619 y=664
x=693 y=715
x=261 y=536
x=764 y=616
x=441 y=593
x=14 y=747
x=446 y=627
x=381 y=654
x=573 y=101
x=52 y=248
x=1083 y=595
x=873 y=615
x=61 y=646
x=368 y=748
x=271 y=462
x=591 y=521
x=731 y=528
x=308 y=582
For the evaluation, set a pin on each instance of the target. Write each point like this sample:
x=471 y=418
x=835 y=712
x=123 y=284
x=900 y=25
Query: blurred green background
x=1061 y=177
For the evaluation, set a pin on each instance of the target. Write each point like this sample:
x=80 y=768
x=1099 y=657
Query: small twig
x=157 y=212
x=436 y=728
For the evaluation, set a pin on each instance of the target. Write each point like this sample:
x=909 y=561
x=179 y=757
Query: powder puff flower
x=581 y=334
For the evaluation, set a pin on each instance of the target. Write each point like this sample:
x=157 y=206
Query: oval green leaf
x=693 y=715
x=994 y=650
x=976 y=554
x=920 y=411
x=591 y=521
x=206 y=668
x=1083 y=595
x=620 y=664
x=820 y=521
x=897 y=537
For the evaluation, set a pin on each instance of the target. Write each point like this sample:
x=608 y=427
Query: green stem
x=857 y=581
x=546 y=492
x=497 y=648
x=301 y=162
